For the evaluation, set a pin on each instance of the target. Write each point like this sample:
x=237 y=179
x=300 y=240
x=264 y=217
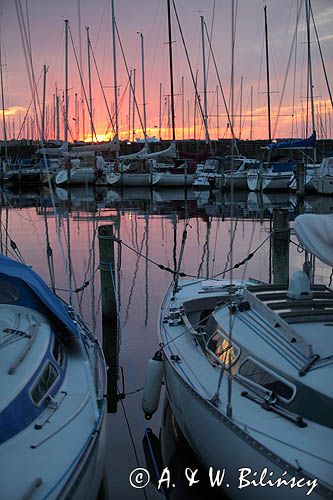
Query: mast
x=129 y=104
x=66 y=82
x=90 y=91
x=240 y=109
x=183 y=109
x=57 y=116
x=251 y=122
x=204 y=77
x=115 y=68
x=217 y=113
x=171 y=74
x=307 y=10
x=143 y=89
x=160 y=114
x=43 y=109
x=267 y=77
x=3 y=107
x=133 y=111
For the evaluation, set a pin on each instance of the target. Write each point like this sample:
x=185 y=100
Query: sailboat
x=247 y=369
x=53 y=386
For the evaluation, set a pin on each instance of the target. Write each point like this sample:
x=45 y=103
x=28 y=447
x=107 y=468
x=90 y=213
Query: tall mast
x=217 y=113
x=171 y=74
x=183 y=109
x=133 y=102
x=143 y=88
x=57 y=116
x=90 y=91
x=240 y=108
x=267 y=77
x=129 y=104
x=204 y=77
x=3 y=107
x=160 y=114
x=307 y=10
x=43 y=109
x=251 y=123
x=66 y=83
x=115 y=68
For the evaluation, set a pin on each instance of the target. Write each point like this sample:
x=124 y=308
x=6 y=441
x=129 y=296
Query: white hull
x=248 y=436
x=257 y=180
x=238 y=180
x=219 y=444
x=173 y=180
x=80 y=175
x=128 y=180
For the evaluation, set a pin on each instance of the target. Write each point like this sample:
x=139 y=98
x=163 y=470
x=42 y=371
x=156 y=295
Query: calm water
x=151 y=224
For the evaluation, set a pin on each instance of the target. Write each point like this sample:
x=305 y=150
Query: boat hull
x=128 y=180
x=172 y=180
x=236 y=450
x=81 y=175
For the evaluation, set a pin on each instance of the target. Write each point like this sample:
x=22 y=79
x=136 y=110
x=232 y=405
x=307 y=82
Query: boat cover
x=310 y=142
x=57 y=309
x=315 y=233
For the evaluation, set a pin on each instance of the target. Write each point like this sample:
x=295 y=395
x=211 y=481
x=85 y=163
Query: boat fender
x=153 y=384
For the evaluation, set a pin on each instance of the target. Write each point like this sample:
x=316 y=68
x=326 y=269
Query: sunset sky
x=149 y=17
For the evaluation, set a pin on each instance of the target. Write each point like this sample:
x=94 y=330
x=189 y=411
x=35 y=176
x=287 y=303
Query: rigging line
x=132 y=441
x=134 y=279
x=81 y=79
x=221 y=88
x=25 y=37
x=215 y=244
x=130 y=364
x=49 y=252
x=229 y=255
x=321 y=54
x=102 y=88
x=294 y=77
x=30 y=104
x=287 y=69
x=12 y=243
x=128 y=76
x=198 y=100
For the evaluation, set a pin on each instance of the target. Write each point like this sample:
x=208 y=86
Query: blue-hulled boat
x=52 y=393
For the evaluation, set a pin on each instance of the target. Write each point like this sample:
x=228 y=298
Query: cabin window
x=226 y=352
x=45 y=382
x=9 y=293
x=58 y=352
x=266 y=379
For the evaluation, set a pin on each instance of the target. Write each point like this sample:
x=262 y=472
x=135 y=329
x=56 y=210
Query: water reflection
x=58 y=237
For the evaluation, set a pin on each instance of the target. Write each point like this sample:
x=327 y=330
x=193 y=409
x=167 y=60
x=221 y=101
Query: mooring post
x=280 y=246
x=109 y=311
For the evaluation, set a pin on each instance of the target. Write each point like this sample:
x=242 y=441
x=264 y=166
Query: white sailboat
x=53 y=386
x=247 y=371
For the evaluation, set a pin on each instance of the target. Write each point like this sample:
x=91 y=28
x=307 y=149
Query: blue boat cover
x=53 y=304
x=310 y=142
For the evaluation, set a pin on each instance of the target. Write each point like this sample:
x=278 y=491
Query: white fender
x=153 y=384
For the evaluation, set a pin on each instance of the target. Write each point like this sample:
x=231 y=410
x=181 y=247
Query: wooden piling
x=280 y=246
x=109 y=312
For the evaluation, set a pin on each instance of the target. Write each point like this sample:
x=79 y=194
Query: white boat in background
x=78 y=172
x=174 y=176
x=208 y=174
x=270 y=176
x=320 y=180
x=131 y=173
x=52 y=393
x=247 y=370
x=238 y=175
